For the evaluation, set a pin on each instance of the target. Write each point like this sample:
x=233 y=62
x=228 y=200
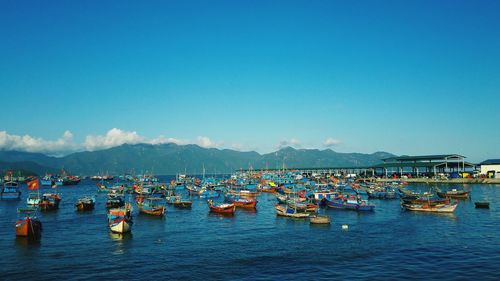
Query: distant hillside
x=25 y=168
x=171 y=159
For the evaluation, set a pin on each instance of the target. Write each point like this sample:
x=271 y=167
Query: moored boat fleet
x=297 y=196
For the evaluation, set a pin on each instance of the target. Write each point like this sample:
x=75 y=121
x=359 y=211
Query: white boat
x=120 y=226
x=33 y=199
x=120 y=219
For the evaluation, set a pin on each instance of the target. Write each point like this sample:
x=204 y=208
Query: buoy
x=345 y=226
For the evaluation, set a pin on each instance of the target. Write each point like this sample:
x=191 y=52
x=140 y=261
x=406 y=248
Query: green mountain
x=171 y=159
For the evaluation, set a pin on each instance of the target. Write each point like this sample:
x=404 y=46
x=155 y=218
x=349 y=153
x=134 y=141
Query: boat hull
x=120 y=225
x=431 y=209
x=158 y=211
x=29 y=227
x=246 y=204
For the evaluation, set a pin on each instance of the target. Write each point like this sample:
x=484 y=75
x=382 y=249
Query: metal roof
x=490 y=162
x=423 y=157
x=422 y=164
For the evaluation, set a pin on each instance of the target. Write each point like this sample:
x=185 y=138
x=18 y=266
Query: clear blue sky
x=407 y=77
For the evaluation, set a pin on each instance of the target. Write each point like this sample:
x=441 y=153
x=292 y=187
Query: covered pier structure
x=429 y=165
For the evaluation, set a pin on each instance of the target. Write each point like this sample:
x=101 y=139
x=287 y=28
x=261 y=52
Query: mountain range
x=169 y=159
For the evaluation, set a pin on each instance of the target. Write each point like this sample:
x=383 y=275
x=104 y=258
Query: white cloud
x=28 y=143
x=162 y=140
x=329 y=142
x=291 y=142
x=237 y=146
x=113 y=137
x=207 y=142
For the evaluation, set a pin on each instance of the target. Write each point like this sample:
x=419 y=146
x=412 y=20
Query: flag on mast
x=34 y=184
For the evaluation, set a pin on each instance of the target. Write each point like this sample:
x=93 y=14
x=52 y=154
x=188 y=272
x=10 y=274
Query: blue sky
x=407 y=77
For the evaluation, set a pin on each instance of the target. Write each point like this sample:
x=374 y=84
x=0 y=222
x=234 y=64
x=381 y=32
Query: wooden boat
x=455 y=194
x=115 y=201
x=349 y=204
x=482 y=205
x=319 y=219
x=423 y=200
x=287 y=211
x=440 y=208
x=50 y=202
x=29 y=225
x=10 y=190
x=120 y=219
x=86 y=203
x=221 y=208
x=245 y=203
x=152 y=206
x=181 y=203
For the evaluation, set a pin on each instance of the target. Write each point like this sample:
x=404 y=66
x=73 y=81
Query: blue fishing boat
x=47 y=180
x=349 y=203
x=10 y=190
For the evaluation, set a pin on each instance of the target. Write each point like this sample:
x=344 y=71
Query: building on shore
x=490 y=168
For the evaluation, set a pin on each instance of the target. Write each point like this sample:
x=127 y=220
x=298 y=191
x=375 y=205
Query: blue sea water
x=388 y=244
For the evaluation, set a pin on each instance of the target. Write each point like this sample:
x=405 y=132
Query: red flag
x=34 y=184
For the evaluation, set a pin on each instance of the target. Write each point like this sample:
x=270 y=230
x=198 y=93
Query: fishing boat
x=319 y=219
x=181 y=203
x=28 y=225
x=120 y=219
x=10 y=190
x=454 y=193
x=115 y=201
x=152 y=206
x=439 y=208
x=221 y=208
x=482 y=205
x=50 y=202
x=245 y=203
x=287 y=211
x=33 y=199
x=86 y=203
x=47 y=180
x=349 y=203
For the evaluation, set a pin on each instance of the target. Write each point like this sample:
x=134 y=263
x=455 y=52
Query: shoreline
x=444 y=181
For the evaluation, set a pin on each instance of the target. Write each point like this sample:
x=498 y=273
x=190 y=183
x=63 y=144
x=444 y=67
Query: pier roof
x=490 y=162
x=437 y=157
x=423 y=164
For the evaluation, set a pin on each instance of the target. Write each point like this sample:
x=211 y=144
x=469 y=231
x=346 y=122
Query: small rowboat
x=319 y=219
x=482 y=205
x=221 y=208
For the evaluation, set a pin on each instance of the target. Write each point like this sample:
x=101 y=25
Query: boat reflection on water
x=25 y=242
x=120 y=236
x=221 y=215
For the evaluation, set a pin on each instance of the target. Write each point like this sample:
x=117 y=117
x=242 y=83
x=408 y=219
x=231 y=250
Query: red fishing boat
x=221 y=208
x=245 y=203
x=28 y=226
